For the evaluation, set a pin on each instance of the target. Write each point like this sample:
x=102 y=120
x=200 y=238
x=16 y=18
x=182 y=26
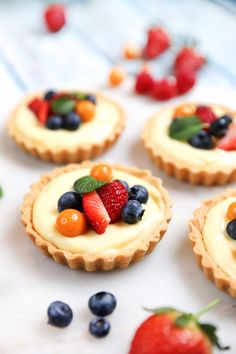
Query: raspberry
x=164 y=89
x=54 y=17
x=158 y=41
x=114 y=197
x=185 y=79
x=206 y=114
x=144 y=82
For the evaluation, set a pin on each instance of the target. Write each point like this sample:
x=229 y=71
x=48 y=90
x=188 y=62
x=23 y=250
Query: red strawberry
x=95 y=212
x=206 y=114
x=55 y=17
x=158 y=41
x=114 y=197
x=35 y=104
x=228 y=142
x=144 y=82
x=185 y=79
x=43 y=112
x=188 y=58
x=164 y=89
x=171 y=332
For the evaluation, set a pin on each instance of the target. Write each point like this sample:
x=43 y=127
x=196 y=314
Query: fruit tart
x=213 y=236
x=66 y=126
x=96 y=216
x=194 y=143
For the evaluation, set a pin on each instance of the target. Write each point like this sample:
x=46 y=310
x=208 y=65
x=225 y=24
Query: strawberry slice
x=114 y=197
x=95 y=212
x=228 y=142
x=43 y=112
x=188 y=58
x=34 y=105
x=157 y=42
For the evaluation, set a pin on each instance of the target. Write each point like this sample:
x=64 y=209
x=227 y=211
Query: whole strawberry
x=164 y=89
x=188 y=58
x=169 y=331
x=185 y=80
x=55 y=17
x=157 y=42
x=144 y=82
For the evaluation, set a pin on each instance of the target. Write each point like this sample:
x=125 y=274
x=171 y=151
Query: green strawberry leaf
x=184 y=129
x=1 y=192
x=184 y=319
x=87 y=184
x=63 y=105
x=210 y=331
x=160 y=310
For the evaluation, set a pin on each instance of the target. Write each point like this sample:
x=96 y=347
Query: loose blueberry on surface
x=49 y=95
x=138 y=193
x=102 y=304
x=70 y=200
x=99 y=327
x=54 y=122
x=219 y=127
x=71 y=121
x=125 y=184
x=132 y=212
x=231 y=229
x=91 y=98
x=202 y=140
x=59 y=314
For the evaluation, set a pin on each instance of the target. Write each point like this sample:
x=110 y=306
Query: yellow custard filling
x=219 y=245
x=119 y=236
x=97 y=130
x=157 y=132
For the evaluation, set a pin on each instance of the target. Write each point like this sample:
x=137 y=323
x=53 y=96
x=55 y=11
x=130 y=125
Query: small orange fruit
x=86 y=110
x=116 y=76
x=185 y=110
x=102 y=172
x=71 y=223
x=231 y=212
x=131 y=52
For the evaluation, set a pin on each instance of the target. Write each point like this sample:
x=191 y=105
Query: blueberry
x=138 y=193
x=99 y=327
x=132 y=212
x=59 y=314
x=102 y=304
x=202 y=140
x=49 y=95
x=70 y=200
x=71 y=121
x=219 y=127
x=54 y=122
x=228 y=118
x=125 y=184
x=231 y=229
x=91 y=98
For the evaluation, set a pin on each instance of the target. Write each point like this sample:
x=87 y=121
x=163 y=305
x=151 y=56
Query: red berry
x=144 y=82
x=158 y=41
x=114 y=197
x=188 y=58
x=95 y=212
x=206 y=114
x=55 y=17
x=185 y=81
x=43 y=112
x=228 y=142
x=164 y=89
x=34 y=105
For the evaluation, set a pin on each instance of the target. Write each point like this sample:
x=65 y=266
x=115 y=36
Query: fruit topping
x=102 y=304
x=231 y=229
x=202 y=140
x=132 y=212
x=139 y=193
x=116 y=76
x=99 y=327
x=185 y=80
x=59 y=314
x=87 y=184
x=144 y=82
x=70 y=200
x=185 y=110
x=157 y=42
x=86 y=110
x=125 y=184
x=219 y=127
x=71 y=223
x=95 y=212
x=54 y=122
x=102 y=172
x=49 y=95
x=164 y=89
x=63 y=105
x=34 y=105
x=91 y=98
x=206 y=114
x=114 y=196
x=184 y=129
x=231 y=212
x=228 y=142
x=71 y=121
x=55 y=17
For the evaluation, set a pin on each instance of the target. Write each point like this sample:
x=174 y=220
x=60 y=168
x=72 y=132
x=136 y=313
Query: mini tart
x=181 y=160
x=62 y=146
x=119 y=246
x=215 y=251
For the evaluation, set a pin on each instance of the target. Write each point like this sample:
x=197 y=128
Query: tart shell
x=204 y=260
x=94 y=262
x=76 y=154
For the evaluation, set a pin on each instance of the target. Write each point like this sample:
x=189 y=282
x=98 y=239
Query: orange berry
x=185 y=110
x=102 y=172
x=116 y=76
x=231 y=212
x=71 y=223
x=86 y=110
x=131 y=52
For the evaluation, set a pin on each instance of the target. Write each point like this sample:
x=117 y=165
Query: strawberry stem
x=207 y=308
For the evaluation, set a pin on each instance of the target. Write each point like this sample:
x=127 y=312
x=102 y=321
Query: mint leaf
x=63 y=105
x=184 y=129
x=87 y=184
x=1 y=192
x=210 y=331
x=160 y=310
x=184 y=319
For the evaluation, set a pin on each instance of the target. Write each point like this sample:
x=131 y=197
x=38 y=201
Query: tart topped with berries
x=194 y=143
x=96 y=217
x=213 y=235
x=66 y=126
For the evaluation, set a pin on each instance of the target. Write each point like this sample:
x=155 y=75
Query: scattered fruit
x=219 y=127
x=102 y=172
x=202 y=140
x=114 y=196
x=54 y=122
x=55 y=17
x=71 y=223
x=231 y=229
x=139 y=193
x=188 y=59
x=99 y=327
x=185 y=110
x=157 y=42
x=131 y=51
x=228 y=142
x=102 y=304
x=71 y=121
x=116 y=76
x=206 y=114
x=144 y=82
x=86 y=110
x=70 y=200
x=132 y=212
x=95 y=212
x=164 y=89
x=231 y=212
x=185 y=80
x=59 y=314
